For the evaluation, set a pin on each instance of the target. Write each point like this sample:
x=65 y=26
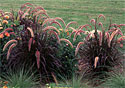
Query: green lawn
x=75 y=10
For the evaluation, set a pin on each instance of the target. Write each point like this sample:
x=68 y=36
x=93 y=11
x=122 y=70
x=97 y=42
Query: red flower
x=7 y=34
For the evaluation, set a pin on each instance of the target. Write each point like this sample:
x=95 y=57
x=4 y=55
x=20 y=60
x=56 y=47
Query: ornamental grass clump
x=19 y=78
x=36 y=44
x=99 y=51
x=116 y=80
x=66 y=49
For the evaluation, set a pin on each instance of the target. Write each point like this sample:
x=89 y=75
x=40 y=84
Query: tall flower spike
x=85 y=26
x=79 y=31
x=78 y=46
x=51 y=31
x=26 y=13
x=122 y=25
x=39 y=12
x=112 y=36
x=72 y=33
x=100 y=24
x=8 y=43
x=37 y=8
x=96 y=61
x=66 y=41
x=72 y=22
x=107 y=36
x=93 y=21
x=51 y=27
x=46 y=20
x=25 y=5
x=120 y=39
x=73 y=29
x=10 y=49
x=31 y=31
x=101 y=15
x=58 y=18
x=56 y=22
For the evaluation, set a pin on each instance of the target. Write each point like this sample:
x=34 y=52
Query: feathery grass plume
x=8 y=43
x=120 y=39
x=93 y=21
x=25 y=5
x=100 y=24
x=60 y=19
x=31 y=31
x=114 y=29
x=56 y=22
x=51 y=27
x=53 y=32
x=8 y=29
x=112 y=36
x=26 y=9
x=73 y=29
x=107 y=36
x=88 y=37
x=72 y=33
x=72 y=22
x=46 y=20
x=38 y=8
x=76 y=33
x=85 y=26
x=96 y=61
x=101 y=15
x=12 y=33
x=26 y=13
x=115 y=25
x=121 y=24
x=77 y=48
x=37 y=54
x=10 y=49
x=66 y=40
x=40 y=13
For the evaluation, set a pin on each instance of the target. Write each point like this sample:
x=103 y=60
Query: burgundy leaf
x=29 y=44
x=37 y=54
x=100 y=38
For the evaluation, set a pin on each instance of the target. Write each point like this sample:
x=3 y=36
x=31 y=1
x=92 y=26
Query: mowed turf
x=75 y=10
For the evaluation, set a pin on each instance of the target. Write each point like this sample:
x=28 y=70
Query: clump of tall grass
x=21 y=78
x=99 y=52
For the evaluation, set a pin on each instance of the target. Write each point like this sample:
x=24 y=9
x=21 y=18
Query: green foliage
x=116 y=80
x=21 y=78
x=75 y=82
